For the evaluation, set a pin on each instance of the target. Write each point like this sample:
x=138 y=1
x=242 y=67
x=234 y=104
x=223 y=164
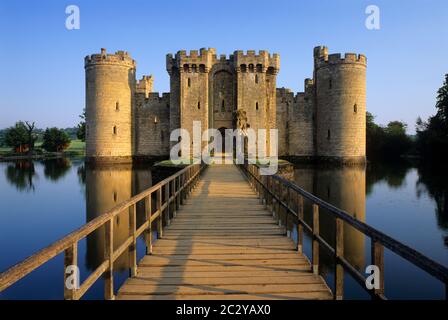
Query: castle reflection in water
x=345 y=188
x=106 y=187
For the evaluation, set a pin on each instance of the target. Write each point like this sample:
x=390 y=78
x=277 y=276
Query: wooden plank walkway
x=223 y=244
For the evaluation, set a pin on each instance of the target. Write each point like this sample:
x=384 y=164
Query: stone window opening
x=199 y=105
x=328 y=135
x=115 y=130
x=117 y=106
x=251 y=68
x=186 y=69
x=223 y=107
x=330 y=84
x=256 y=78
x=202 y=68
x=243 y=68
x=115 y=196
x=355 y=108
x=189 y=82
x=194 y=68
x=256 y=106
x=156 y=120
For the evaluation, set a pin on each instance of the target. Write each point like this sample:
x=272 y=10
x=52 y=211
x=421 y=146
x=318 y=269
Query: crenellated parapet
x=195 y=61
x=145 y=85
x=252 y=62
x=323 y=59
x=153 y=97
x=118 y=58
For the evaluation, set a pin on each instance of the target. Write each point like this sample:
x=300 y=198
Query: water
x=45 y=200
x=404 y=201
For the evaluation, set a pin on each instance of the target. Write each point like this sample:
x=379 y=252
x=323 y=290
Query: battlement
x=145 y=85
x=323 y=59
x=308 y=85
x=152 y=97
x=196 y=61
x=263 y=59
x=118 y=58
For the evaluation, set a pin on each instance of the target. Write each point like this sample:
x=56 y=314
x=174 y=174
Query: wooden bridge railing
x=169 y=193
x=278 y=194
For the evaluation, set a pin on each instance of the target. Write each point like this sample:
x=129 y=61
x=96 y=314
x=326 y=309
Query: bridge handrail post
x=148 y=213
x=316 y=233
x=167 y=202
x=133 y=246
x=109 y=255
x=377 y=258
x=70 y=259
x=159 y=210
x=299 y=223
x=339 y=253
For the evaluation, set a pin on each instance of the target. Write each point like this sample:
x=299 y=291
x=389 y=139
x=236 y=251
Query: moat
x=43 y=201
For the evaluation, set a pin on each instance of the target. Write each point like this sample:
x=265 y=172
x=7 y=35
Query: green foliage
x=396 y=141
x=17 y=137
x=390 y=142
x=55 y=140
x=432 y=136
x=81 y=131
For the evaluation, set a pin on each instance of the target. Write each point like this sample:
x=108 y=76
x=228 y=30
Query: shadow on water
x=393 y=173
x=21 y=174
x=433 y=181
x=55 y=169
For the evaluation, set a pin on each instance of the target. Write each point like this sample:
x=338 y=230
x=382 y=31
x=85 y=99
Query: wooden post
x=71 y=260
x=288 y=203
x=339 y=252
x=315 y=241
x=167 y=201
x=377 y=252
x=133 y=246
x=148 y=211
x=109 y=255
x=299 y=224
x=159 y=209
x=173 y=191
x=177 y=190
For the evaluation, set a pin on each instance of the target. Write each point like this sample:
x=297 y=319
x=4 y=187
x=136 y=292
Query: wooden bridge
x=224 y=244
x=223 y=234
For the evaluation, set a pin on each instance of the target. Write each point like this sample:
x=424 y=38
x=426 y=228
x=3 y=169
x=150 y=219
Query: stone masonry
x=127 y=120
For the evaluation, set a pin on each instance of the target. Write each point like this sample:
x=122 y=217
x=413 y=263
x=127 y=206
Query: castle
x=126 y=120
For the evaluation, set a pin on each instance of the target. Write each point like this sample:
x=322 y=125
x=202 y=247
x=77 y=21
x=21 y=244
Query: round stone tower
x=340 y=84
x=110 y=85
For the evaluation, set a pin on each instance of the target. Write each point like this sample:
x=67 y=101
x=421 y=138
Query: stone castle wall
x=126 y=119
x=341 y=105
x=152 y=125
x=110 y=85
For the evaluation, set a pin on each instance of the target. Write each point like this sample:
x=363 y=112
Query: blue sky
x=42 y=75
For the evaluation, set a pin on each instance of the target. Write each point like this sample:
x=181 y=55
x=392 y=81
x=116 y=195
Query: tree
x=81 y=133
x=396 y=142
x=17 y=137
x=374 y=137
x=442 y=104
x=432 y=136
x=55 y=140
x=31 y=135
